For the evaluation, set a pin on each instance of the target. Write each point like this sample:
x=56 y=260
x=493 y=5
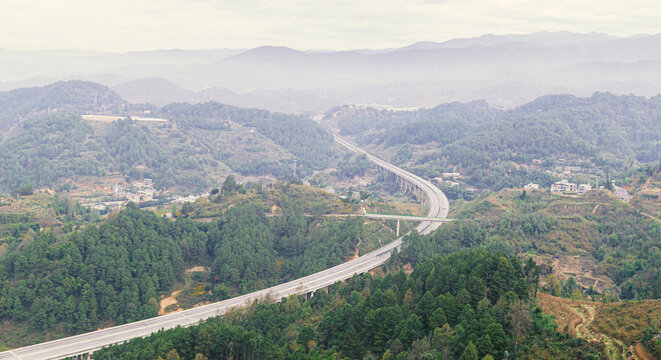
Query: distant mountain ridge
x=160 y=92
x=506 y=70
x=543 y=38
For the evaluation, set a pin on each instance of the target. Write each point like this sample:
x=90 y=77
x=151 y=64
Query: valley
x=176 y=214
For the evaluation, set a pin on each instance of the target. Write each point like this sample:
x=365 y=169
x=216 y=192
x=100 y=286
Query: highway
x=438 y=202
x=394 y=217
x=89 y=342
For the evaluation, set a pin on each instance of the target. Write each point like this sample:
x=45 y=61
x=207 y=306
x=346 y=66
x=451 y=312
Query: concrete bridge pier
x=397 y=227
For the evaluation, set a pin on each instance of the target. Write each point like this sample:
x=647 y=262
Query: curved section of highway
x=438 y=202
x=89 y=342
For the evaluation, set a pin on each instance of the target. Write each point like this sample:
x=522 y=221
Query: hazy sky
x=123 y=25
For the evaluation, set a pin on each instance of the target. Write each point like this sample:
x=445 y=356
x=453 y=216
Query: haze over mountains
x=505 y=70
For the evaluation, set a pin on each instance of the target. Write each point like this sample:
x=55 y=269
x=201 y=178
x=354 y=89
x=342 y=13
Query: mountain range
x=505 y=70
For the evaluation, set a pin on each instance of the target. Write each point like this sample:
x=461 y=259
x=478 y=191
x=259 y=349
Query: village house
x=563 y=186
x=117 y=190
x=451 y=175
x=531 y=186
x=583 y=188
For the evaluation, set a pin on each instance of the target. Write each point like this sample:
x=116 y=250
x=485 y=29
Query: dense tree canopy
x=466 y=305
x=114 y=273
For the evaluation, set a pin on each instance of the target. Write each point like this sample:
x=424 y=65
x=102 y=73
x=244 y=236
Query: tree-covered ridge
x=44 y=142
x=457 y=117
x=624 y=245
x=47 y=150
x=469 y=305
x=280 y=197
x=109 y=274
x=55 y=284
x=71 y=96
x=488 y=145
x=310 y=143
x=50 y=149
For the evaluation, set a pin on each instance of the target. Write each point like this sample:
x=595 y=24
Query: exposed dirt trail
x=170 y=300
x=198 y=269
x=642 y=352
x=615 y=348
x=355 y=253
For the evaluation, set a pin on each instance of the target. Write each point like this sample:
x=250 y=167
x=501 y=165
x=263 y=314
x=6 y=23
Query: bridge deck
x=395 y=217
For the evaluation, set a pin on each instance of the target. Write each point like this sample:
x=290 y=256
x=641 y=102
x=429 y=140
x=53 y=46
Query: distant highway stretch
x=90 y=342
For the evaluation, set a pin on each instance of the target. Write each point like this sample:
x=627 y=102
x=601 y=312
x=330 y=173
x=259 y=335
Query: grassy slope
x=575 y=214
x=218 y=152
x=647 y=198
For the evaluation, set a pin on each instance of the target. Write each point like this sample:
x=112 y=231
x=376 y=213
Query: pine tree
x=470 y=352
x=351 y=343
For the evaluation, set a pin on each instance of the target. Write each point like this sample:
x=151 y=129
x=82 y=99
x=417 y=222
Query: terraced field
x=617 y=326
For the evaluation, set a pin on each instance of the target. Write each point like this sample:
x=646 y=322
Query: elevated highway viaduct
x=84 y=344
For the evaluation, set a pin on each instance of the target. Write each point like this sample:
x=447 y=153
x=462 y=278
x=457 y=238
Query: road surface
x=394 y=217
x=89 y=342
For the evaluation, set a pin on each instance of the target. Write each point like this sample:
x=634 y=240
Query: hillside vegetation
x=621 y=327
x=495 y=148
x=56 y=283
x=195 y=150
x=71 y=96
x=596 y=240
x=21 y=214
x=305 y=139
x=646 y=184
x=469 y=305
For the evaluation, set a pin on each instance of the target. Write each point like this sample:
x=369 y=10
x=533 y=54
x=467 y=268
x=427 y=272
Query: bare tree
x=519 y=319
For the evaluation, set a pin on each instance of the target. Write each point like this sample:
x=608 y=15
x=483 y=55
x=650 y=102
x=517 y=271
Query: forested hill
x=61 y=281
x=198 y=147
x=72 y=96
x=470 y=305
x=488 y=145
